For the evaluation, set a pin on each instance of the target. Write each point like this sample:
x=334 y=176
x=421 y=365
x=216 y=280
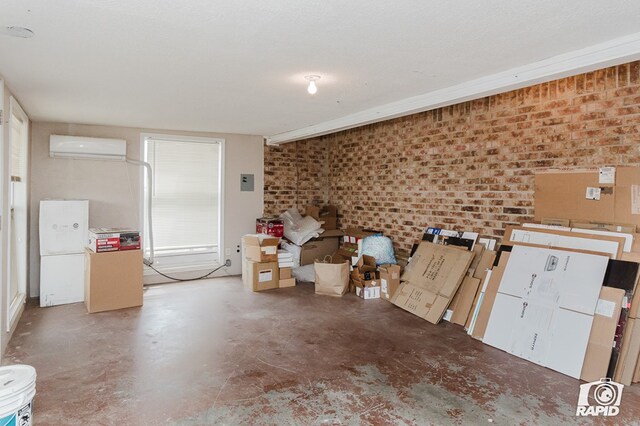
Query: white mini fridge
x=64 y=226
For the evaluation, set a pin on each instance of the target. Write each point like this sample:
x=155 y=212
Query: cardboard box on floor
x=285 y=273
x=435 y=273
x=317 y=248
x=367 y=289
x=286 y=282
x=260 y=276
x=563 y=193
x=389 y=280
x=260 y=248
x=113 y=280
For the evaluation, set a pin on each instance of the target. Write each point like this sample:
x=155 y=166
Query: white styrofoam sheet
x=569 y=279
x=530 y=236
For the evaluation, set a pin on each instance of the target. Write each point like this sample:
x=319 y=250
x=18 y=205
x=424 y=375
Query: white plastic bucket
x=17 y=389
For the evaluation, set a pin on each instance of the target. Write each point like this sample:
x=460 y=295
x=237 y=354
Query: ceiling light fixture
x=20 y=32
x=312 y=88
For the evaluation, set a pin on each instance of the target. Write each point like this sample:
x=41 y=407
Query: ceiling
x=239 y=66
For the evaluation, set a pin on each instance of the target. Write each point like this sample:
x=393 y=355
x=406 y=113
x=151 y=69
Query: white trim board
x=613 y=52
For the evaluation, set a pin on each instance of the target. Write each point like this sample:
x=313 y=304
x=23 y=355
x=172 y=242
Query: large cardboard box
x=432 y=279
x=113 y=280
x=259 y=276
x=544 y=308
x=260 y=248
x=318 y=248
x=603 y=330
x=389 y=280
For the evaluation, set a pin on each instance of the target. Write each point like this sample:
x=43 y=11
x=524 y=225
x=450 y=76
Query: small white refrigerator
x=64 y=226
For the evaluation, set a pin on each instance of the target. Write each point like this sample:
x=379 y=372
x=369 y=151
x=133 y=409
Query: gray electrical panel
x=246 y=182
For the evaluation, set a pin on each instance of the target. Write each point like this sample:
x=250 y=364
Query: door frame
x=14 y=307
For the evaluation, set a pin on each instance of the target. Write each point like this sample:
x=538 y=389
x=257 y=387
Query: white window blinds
x=185 y=193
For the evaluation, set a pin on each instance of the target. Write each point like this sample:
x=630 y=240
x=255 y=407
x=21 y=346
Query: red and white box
x=113 y=239
x=270 y=226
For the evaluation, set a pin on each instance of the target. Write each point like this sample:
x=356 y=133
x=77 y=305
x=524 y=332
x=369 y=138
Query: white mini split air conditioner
x=83 y=147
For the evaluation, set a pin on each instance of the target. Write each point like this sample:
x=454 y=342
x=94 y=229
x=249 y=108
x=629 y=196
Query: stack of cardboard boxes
x=260 y=268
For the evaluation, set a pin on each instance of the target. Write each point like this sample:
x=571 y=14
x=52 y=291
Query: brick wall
x=295 y=174
x=469 y=166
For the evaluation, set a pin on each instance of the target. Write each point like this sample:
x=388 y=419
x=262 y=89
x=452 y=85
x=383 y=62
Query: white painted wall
x=113 y=188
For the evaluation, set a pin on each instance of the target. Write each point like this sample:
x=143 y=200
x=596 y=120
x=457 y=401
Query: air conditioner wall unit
x=89 y=148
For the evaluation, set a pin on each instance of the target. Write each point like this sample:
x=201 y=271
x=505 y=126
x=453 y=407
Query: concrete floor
x=211 y=352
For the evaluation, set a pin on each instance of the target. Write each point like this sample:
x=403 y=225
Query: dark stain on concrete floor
x=212 y=352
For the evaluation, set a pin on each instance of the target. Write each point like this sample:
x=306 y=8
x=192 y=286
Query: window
x=186 y=191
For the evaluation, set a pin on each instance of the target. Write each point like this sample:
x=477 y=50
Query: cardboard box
x=365 y=269
x=285 y=273
x=318 y=248
x=272 y=226
x=286 y=282
x=367 y=290
x=389 y=280
x=432 y=279
x=563 y=193
x=603 y=330
x=636 y=375
x=113 y=239
x=113 y=280
x=260 y=248
x=544 y=308
x=328 y=215
x=259 y=276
